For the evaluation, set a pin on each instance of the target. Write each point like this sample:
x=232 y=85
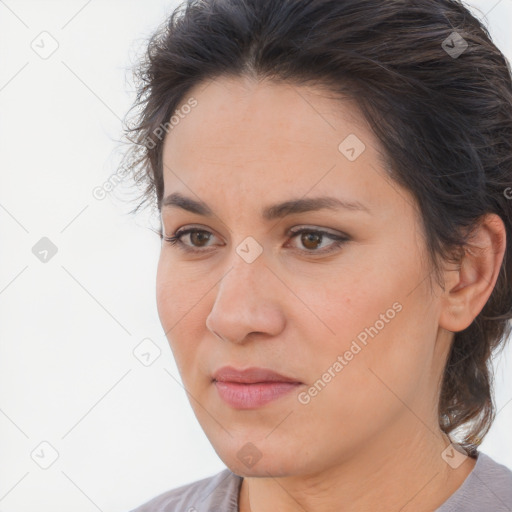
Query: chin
x=249 y=461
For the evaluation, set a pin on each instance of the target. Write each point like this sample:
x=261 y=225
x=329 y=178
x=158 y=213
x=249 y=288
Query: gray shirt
x=488 y=488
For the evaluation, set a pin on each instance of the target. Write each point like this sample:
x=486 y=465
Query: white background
x=124 y=432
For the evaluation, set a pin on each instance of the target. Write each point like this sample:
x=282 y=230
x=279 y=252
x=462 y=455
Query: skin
x=370 y=439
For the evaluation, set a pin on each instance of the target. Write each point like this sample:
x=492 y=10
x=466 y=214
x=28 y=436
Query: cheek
x=373 y=321
x=355 y=398
x=386 y=340
x=177 y=291
x=172 y=299
x=165 y=293
x=181 y=298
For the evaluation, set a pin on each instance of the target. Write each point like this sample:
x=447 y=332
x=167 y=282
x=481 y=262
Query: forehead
x=258 y=137
x=241 y=111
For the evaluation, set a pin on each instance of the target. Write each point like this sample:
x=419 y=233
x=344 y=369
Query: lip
x=250 y=375
x=252 y=387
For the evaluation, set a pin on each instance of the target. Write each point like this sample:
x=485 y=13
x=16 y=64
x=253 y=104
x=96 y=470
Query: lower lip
x=251 y=396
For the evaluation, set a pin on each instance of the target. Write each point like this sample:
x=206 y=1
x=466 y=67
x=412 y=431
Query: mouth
x=253 y=387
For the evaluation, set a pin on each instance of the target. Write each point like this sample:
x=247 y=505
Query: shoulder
x=487 y=487
x=217 y=492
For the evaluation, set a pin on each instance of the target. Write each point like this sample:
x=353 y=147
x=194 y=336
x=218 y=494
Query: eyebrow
x=275 y=211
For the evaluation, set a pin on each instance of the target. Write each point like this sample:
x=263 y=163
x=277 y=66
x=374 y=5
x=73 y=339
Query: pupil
x=199 y=235
x=311 y=237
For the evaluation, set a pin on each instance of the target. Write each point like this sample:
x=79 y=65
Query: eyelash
x=175 y=240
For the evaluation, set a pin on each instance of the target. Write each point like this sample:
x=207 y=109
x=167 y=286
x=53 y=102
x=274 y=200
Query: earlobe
x=470 y=286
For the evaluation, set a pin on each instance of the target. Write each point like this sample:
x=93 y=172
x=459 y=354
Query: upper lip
x=250 y=375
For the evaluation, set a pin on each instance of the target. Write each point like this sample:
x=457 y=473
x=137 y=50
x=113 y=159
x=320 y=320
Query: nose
x=247 y=302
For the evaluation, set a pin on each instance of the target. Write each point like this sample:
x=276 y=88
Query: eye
x=311 y=239
x=195 y=235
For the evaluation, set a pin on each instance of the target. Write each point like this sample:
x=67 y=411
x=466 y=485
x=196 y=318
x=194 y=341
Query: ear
x=468 y=288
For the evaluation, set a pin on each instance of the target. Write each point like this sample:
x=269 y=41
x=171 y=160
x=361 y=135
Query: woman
x=334 y=184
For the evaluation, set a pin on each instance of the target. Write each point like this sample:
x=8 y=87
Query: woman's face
x=351 y=320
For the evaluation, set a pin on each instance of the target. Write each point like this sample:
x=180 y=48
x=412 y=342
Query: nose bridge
x=246 y=266
x=239 y=286
x=243 y=302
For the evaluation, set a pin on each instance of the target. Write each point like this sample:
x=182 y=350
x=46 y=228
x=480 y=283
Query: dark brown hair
x=435 y=90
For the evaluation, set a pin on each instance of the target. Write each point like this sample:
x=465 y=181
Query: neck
x=411 y=477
